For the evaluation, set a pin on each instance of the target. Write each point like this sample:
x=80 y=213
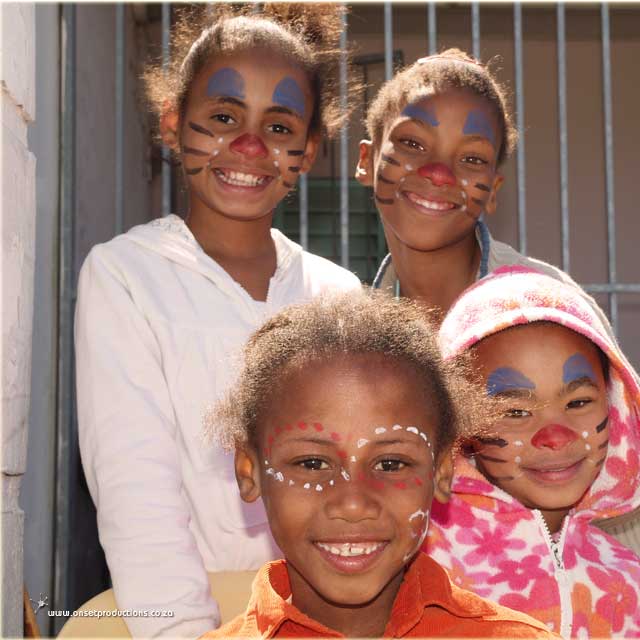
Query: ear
x=364 y=170
x=247 y=474
x=310 y=152
x=443 y=476
x=492 y=203
x=169 y=123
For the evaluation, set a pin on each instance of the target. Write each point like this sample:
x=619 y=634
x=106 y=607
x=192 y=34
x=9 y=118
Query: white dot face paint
x=408 y=167
x=215 y=152
x=464 y=183
x=318 y=487
x=587 y=447
x=276 y=163
x=345 y=475
x=291 y=483
x=585 y=434
x=518 y=443
x=276 y=152
x=396 y=427
x=306 y=485
x=380 y=430
x=353 y=459
x=331 y=483
x=361 y=442
x=518 y=459
x=279 y=477
x=220 y=140
x=413 y=430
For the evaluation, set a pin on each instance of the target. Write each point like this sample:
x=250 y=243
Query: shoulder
x=328 y=274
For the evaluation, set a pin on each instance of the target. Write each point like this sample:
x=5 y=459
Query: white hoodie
x=159 y=326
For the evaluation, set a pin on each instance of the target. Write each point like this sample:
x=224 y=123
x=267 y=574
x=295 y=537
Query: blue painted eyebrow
x=226 y=82
x=478 y=124
x=507 y=379
x=289 y=94
x=577 y=366
x=425 y=115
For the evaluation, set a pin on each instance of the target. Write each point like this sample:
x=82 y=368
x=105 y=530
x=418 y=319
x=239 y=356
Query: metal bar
x=522 y=211
x=388 y=41
x=608 y=139
x=475 y=29
x=303 y=194
x=612 y=289
x=166 y=153
x=432 y=27
x=66 y=437
x=119 y=115
x=344 y=151
x=562 y=121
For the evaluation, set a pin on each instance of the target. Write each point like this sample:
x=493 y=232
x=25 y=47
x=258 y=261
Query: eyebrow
x=474 y=137
x=284 y=110
x=229 y=100
x=516 y=393
x=584 y=381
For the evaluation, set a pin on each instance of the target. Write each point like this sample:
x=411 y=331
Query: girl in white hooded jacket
x=164 y=309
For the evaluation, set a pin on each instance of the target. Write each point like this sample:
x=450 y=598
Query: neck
x=554 y=518
x=226 y=239
x=367 y=620
x=436 y=278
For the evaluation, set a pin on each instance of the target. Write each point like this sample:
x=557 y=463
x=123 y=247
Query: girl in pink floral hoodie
x=520 y=528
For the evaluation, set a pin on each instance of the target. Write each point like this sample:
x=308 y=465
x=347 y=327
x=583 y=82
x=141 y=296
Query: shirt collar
x=425 y=584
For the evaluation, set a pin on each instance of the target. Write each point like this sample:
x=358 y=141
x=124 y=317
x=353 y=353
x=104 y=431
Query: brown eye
x=390 y=464
x=313 y=464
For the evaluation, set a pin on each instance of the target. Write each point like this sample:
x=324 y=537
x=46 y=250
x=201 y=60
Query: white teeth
x=430 y=204
x=350 y=550
x=240 y=179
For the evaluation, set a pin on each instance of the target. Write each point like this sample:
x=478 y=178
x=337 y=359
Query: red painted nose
x=438 y=173
x=249 y=145
x=553 y=436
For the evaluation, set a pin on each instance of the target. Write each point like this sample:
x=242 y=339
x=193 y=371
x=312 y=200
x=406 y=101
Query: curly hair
x=307 y=34
x=342 y=325
x=451 y=69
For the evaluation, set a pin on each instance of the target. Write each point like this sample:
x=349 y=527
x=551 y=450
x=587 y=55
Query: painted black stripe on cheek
x=287 y=184
x=489 y=458
x=604 y=444
x=384 y=200
x=390 y=160
x=602 y=425
x=501 y=477
x=482 y=187
x=199 y=129
x=385 y=180
x=192 y=172
x=293 y=169
x=195 y=152
x=295 y=152
x=599 y=463
x=496 y=442
x=480 y=203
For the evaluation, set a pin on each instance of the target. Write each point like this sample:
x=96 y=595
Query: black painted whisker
x=604 y=444
x=480 y=203
x=599 y=463
x=192 y=172
x=287 y=184
x=293 y=169
x=482 y=456
x=201 y=129
x=496 y=442
x=385 y=180
x=389 y=159
x=482 y=187
x=384 y=200
x=195 y=152
x=602 y=425
x=295 y=152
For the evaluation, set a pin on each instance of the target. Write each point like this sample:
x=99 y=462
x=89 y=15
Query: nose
x=554 y=437
x=438 y=173
x=353 y=501
x=249 y=145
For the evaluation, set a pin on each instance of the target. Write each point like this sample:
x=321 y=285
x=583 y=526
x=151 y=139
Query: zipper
x=556 y=550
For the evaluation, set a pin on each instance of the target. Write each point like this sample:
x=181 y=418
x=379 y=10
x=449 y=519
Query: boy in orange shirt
x=343 y=421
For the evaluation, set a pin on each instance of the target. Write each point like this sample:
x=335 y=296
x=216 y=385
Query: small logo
x=43 y=601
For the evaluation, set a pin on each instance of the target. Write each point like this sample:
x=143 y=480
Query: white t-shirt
x=159 y=331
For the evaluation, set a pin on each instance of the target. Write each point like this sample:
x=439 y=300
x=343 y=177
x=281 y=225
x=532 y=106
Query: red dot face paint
x=439 y=174
x=250 y=146
x=554 y=437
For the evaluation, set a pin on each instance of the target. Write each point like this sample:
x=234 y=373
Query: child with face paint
x=342 y=422
x=529 y=502
x=439 y=132
x=163 y=309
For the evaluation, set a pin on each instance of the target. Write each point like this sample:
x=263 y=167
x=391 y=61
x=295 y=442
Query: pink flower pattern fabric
x=492 y=544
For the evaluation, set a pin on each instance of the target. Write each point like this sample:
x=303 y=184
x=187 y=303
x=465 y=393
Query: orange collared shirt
x=428 y=604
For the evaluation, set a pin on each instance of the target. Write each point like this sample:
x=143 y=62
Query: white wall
x=18 y=226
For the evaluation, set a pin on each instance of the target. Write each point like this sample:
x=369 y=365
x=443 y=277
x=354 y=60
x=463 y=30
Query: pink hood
x=586 y=582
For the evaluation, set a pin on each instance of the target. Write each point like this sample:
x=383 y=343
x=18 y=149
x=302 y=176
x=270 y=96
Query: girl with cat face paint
x=531 y=497
x=163 y=308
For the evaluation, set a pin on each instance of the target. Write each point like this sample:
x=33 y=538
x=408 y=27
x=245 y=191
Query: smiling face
x=435 y=171
x=553 y=440
x=243 y=137
x=345 y=466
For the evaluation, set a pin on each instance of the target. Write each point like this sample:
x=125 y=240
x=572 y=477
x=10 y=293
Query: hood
x=514 y=296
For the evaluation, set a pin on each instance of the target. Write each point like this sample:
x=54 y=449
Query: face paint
x=482 y=187
x=480 y=203
x=554 y=437
x=577 y=367
x=384 y=200
x=477 y=123
x=603 y=425
x=506 y=379
x=249 y=145
x=293 y=169
x=381 y=178
x=389 y=160
x=194 y=152
x=199 y=129
x=289 y=94
x=424 y=115
x=494 y=442
x=226 y=82
x=438 y=173
x=295 y=152
x=193 y=172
